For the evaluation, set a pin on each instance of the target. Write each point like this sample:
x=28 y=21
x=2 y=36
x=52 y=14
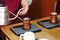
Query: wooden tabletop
x=50 y=34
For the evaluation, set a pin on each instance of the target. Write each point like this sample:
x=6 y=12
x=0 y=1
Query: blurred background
x=41 y=8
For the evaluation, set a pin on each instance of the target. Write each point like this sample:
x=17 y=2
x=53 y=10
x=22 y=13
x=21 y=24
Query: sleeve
x=29 y=2
x=26 y=2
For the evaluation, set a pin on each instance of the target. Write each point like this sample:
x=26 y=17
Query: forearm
x=24 y=3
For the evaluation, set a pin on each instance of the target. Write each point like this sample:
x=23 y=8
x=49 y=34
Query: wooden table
x=50 y=34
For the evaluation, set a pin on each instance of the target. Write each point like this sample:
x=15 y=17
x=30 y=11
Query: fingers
x=23 y=11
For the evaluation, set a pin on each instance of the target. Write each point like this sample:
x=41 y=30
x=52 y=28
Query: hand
x=25 y=7
x=23 y=11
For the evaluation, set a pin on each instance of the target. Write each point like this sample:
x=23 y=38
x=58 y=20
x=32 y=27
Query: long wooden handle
x=15 y=15
x=55 y=6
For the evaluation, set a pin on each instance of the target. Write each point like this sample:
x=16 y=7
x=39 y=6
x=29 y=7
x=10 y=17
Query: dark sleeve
x=58 y=7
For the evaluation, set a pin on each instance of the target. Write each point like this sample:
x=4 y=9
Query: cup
x=27 y=36
x=43 y=39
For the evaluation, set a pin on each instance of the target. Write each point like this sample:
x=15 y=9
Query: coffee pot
x=4 y=16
